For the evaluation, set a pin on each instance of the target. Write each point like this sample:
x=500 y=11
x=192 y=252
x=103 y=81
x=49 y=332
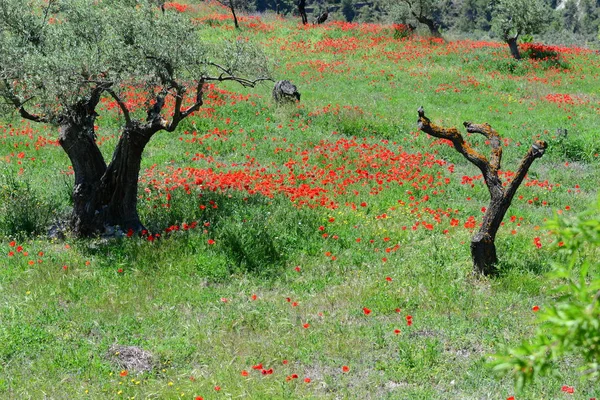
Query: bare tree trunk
x=483 y=248
x=514 y=48
x=235 y=20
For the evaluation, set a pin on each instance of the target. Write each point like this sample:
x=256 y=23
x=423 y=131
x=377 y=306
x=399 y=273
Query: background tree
x=474 y=15
x=427 y=12
x=483 y=247
x=570 y=16
x=348 y=10
x=512 y=18
x=235 y=6
x=61 y=57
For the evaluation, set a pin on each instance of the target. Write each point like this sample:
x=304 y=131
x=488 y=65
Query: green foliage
x=571 y=325
x=60 y=51
x=512 y=18
x=348 y=10
x=23 y=211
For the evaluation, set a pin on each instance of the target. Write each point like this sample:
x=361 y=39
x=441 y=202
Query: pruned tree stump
x=285 y=92
x=483 y=248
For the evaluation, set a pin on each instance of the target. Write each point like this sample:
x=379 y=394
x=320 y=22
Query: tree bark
x=235 y=20
x=514 y=48
x=77 y=138
x=433 y=27
x=119 y=185
x=483 y=247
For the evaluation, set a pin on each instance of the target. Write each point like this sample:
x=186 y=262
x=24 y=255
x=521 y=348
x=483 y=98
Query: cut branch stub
x=483 y=248
x=285 y=92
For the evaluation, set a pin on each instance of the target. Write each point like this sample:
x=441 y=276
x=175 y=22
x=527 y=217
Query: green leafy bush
x=571 y=325
x=23 y=211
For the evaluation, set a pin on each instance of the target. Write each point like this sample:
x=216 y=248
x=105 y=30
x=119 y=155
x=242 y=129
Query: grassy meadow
x=316 y=250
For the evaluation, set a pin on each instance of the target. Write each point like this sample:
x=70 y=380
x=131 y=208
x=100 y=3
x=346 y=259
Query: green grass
x=57 y=324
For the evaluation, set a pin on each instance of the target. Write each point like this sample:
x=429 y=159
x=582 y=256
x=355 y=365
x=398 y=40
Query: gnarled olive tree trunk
x=105 y=196
x=483 y=247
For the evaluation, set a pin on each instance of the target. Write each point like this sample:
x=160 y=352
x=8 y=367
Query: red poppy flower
x=535 y=308
x=244 y=373
x=366 y=311
x=307 y=380
x=345 y=368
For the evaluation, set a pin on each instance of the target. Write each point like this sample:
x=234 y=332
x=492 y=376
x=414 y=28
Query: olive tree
x=60 y=57
x=427 y=12
x=512 y=18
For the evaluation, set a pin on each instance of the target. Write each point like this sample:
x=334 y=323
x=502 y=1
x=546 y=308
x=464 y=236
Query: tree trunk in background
x=235 y=20
x=433 y=28
x=514 y=48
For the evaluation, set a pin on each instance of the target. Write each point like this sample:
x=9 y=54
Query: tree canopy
x=60 y=57
x=513 y=18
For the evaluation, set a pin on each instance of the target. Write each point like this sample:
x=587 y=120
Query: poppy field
x=318 y=249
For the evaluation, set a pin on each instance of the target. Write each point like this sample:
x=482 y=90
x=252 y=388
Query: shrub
x=23 y=211
x=571 y=325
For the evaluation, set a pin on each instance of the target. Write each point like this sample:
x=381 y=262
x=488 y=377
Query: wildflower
x=307 y=380
x=535 y=308
x=253 y=297
x=387 y=278
x=306 y=326
x=397 y=331
x=211 y=242
x=366 y=311
x=217 y=388
x=345 y=368
x=124 y=373
x=244 y=373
